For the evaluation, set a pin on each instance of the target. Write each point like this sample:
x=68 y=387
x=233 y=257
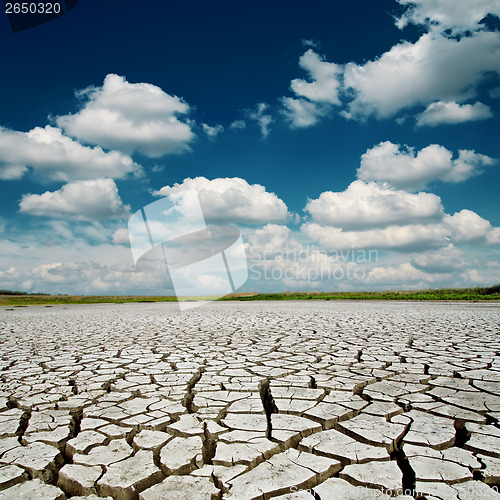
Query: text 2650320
x=32 y=8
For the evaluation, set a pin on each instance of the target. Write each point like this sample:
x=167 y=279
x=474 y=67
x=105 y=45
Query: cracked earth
x=248 y=400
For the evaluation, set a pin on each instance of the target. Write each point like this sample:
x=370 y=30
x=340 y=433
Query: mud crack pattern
x=288 y=400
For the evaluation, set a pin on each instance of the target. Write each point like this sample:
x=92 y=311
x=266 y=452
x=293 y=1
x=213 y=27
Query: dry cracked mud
x=249 y=400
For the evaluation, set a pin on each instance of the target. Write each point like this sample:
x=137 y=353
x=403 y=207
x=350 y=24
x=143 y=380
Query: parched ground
x=240 y=401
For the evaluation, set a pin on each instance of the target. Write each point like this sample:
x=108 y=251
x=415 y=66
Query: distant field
x=18 y=299
x=28 y=300
x=470 y=294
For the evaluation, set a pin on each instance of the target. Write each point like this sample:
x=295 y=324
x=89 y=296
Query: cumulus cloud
x=233 y=200
x=408 y=238
x=263 y=118
x=91 y=277
x=440 y=112
x=458 y=17
x=131 y=117
x=314 y=98
x=64 y=272
x=59 y=258
x=403 y=168
x=369 y=215
x=404 y=273
x=212 y=132
x=475 y=277
x=324 y=76
x=444 y=260
x=238 y=125
x=10 y=278
x=364 y=205
x=11 y=172
x=434 y=68
x=82 y=200
x=278 y=255
x=310 y=43
x=121 y=237
x=53 y=155
x=302 y=113
x=467 y=226
x=279 y=259
x=440 y=71
x=270 y=241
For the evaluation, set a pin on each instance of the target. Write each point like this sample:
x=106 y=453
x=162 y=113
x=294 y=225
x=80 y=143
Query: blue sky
x=354 y=143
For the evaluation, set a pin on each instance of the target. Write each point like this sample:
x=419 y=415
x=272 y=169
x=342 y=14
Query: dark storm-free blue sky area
x=223 y=58
x=219 y=54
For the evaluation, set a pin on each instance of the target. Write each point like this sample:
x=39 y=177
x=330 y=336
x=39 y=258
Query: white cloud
x=70 y=231
x=493 y=236
x=439 y=71
x=404 y=273
x=448 y=14
x=10 y=278
x=302 y=113
x=11 y=172
x=441 y=112
x=324 y=84
x=444 y=260
x=131 y=117
x=238 y=125
x=233 y=200
x=378 y=217
x=270 y=241
x=212 y=132
x=64 y=272
x=120 y=236
x=310 y=43
x=408 y=238
x=127 y=279
x=364 y=205
x=406 y=277
x=54 y=259
x=56 y=156
x=49 y=240
x=435 y=68
x=82 y=200
x=313 y=99
x=262 y=117
x=280 y=256
x=89 y=277
x=467 y=226
x=403 y=168
x=279 y=259
x=482 y=277
x=467 y=164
